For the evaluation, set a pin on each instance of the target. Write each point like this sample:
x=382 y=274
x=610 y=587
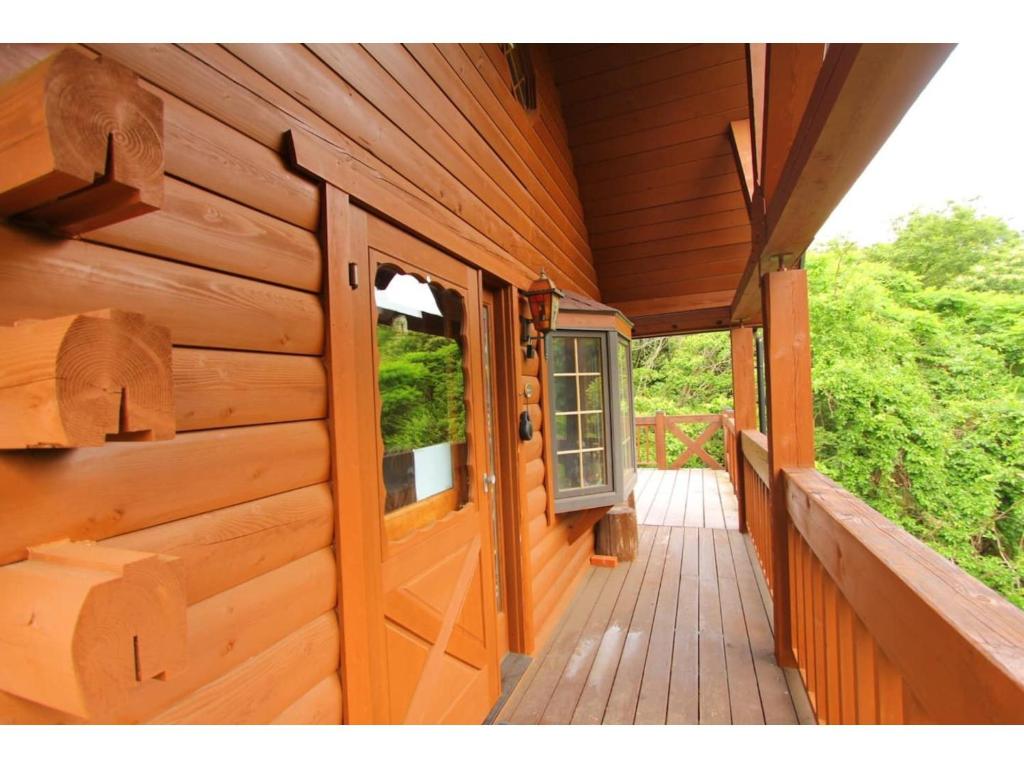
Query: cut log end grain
x=86 y=627
x=85 y=146
x=80 y=380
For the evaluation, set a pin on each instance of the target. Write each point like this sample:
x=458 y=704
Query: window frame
x=620 y=480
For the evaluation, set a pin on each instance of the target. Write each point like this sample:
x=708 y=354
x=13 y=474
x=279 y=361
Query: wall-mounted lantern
x=543 y=297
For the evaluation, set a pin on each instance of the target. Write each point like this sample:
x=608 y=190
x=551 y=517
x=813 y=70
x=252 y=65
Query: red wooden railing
x=884 y=630
x=652 y=444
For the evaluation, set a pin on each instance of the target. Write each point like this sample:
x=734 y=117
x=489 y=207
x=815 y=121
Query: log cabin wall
x=232 y=265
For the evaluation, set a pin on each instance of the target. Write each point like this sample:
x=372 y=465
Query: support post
x=791 y=422
x=743 y=397
x=659 y=439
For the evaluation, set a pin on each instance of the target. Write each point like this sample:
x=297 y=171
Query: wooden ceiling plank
x=652 y=160
x=736 y=255
x=693 y=225
x=861 y=93
x=673 y=193
x=650 y=71
x=651 y=95
x=726 y=236
x=617 y=222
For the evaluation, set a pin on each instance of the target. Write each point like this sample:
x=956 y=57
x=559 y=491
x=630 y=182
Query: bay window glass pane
x=593 y=468
x=591 y=393
x=592 y=430
x=565 y=394
x=589 y=350
x=625 y=402
x=568 y=471
x=563 y=354
x=567 y=432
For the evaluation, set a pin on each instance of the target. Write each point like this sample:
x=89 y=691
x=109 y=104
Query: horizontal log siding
x=232 y=265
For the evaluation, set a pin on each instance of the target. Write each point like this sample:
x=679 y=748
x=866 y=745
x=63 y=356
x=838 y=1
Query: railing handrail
x=958 y=644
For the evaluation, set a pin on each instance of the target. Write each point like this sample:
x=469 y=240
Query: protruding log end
x=86 y=627
x=83 y=145
x=80 y=380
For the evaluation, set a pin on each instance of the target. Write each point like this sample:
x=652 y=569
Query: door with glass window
x=434 y=604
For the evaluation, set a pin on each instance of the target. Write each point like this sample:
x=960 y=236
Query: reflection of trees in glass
x=422 y=390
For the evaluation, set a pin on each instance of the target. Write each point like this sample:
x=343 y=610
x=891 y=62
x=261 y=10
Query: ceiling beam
x=860 y=94
x=695 y=321
x=739 y=137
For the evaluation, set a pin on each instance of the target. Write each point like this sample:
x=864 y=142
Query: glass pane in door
x=421 y=381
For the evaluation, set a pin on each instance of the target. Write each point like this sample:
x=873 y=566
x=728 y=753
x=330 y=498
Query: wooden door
x=433 y=602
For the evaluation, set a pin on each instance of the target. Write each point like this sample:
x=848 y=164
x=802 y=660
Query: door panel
x=436 y=611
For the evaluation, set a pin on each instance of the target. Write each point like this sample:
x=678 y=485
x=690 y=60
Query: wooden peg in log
x=83 y=144
x=76 y=380
x=83 y=627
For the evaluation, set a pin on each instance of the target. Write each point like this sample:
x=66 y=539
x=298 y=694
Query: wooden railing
x=652 y=433
x=757 y=500
x=884 y=630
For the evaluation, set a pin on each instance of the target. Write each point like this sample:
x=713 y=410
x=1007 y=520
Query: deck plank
x=652 y=704
x=660 y=505
x=694 y=501
x=730 y=504
x=776 y=702
x=622 y=700
x=714 y=683
x=542 y=684
x=676 y=512
x=594 y=697
x=684 y=677
x=744 y=696
x=570 y=685
x=713 y=517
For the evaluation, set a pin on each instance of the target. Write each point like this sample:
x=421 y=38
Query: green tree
x=918 y=375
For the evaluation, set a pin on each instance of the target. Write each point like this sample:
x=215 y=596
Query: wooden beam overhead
x=695 y=321
x=756 y=55
x=791 y=70
x=861 y=93
x=739 y=137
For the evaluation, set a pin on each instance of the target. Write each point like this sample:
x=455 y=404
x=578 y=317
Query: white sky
x=959 y=140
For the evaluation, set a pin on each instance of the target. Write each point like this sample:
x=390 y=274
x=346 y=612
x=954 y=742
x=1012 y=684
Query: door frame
x=348 y=329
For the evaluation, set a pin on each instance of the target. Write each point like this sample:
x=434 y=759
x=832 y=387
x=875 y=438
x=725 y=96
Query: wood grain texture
x=226 y=547
x=218 y=388
x=42 y=277
x=95 y=493
x=206 y=230
x=261 y=688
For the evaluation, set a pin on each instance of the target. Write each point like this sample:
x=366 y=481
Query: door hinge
x=353 y=274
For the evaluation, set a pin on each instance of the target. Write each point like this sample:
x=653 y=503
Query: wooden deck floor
x=681 y=635
x=700 y=498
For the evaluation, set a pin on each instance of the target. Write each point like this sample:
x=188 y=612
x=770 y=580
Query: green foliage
x=422 y=390
x=918 y=383
x=682 y=375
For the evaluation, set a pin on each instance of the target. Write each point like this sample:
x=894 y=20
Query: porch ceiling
x=648 y=127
